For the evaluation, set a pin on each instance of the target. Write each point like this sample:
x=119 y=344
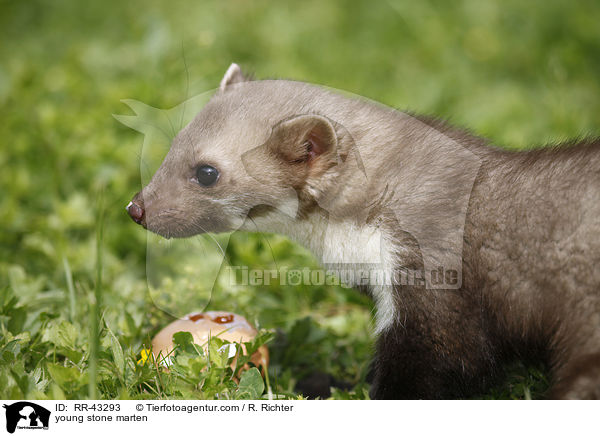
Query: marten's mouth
x=170 y=231
x=173 y=227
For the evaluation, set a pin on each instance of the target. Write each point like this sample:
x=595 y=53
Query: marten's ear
x=307 y=140
x=232 y=75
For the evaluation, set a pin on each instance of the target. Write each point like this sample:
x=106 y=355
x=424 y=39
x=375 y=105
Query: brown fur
x=523 y=227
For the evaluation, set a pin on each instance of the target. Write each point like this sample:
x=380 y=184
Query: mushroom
x=203 y=325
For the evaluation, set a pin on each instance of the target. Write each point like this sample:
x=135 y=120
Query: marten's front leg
x=431 y=361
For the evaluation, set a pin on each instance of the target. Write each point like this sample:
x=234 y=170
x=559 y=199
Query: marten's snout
x=135 y=209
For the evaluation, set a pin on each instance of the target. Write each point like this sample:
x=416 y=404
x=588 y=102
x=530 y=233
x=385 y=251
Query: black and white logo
x=26 y=415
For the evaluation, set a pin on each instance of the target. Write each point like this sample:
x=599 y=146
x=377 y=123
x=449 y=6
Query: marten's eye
x=207 y=175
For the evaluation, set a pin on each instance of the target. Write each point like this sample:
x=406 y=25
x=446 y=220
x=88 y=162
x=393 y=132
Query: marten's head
x=255 y=147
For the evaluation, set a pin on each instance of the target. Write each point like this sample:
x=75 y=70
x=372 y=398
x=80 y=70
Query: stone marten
x=473 y=254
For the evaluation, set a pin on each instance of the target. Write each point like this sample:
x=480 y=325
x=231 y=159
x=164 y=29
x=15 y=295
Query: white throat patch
x=362 y=249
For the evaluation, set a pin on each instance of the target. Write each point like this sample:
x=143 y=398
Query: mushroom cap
x=203 y=325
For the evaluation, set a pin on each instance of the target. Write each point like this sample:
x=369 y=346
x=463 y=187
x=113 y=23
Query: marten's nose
x=136 y=211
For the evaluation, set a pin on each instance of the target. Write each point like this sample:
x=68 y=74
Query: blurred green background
x=520 y=73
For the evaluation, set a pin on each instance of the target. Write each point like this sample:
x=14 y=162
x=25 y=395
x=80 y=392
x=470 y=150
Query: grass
x=76 y=305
